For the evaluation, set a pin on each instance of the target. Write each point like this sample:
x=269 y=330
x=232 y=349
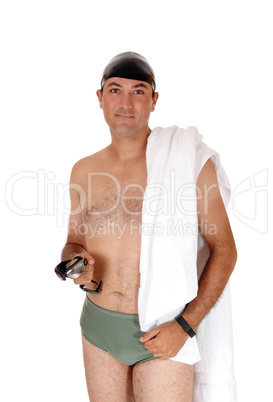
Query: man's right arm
x=76 y=242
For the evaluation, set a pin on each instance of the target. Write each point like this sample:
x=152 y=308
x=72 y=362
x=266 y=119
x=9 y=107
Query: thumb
x=89 y=259
x=149 y=335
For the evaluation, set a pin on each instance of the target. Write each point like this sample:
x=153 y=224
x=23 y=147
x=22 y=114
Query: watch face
x=76 y=269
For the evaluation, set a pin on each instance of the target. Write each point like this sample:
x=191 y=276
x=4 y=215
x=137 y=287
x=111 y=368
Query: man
x=122 y=363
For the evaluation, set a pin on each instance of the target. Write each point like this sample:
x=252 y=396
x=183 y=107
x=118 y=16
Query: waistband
x=111 y=313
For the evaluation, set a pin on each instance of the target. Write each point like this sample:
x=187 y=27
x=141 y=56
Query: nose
x=126 y=100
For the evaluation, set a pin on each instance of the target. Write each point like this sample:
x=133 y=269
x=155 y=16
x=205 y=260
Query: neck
x=129 y=146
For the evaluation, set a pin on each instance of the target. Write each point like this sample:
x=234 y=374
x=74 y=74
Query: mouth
x=124 y=116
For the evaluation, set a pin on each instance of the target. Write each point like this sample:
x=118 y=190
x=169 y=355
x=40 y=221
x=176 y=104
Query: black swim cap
x=129 y=65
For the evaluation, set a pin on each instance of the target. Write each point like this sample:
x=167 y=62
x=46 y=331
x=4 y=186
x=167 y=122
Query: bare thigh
x=107 y=379
x=163 y=381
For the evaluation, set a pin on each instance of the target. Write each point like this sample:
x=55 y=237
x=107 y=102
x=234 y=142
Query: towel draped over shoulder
x=174 y=253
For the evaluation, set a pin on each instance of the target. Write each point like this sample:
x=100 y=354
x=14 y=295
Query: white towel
x=173 y=256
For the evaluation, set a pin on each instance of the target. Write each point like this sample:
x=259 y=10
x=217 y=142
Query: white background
x=213 y=64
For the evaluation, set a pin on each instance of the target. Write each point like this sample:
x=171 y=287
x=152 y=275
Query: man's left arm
x=166 y=340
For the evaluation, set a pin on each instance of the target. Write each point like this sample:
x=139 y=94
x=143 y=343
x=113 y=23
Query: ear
x=99 y=95
x=155 y=99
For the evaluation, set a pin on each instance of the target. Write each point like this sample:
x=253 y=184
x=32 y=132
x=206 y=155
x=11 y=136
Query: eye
x=138 y=92
x=114 y=90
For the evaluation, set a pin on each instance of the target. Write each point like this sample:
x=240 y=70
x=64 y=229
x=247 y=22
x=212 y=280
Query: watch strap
x=186 y=327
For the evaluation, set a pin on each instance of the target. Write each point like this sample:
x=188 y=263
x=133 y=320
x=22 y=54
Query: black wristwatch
x=186 y=327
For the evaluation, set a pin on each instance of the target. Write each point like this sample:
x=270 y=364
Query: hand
x=166 y=340
x=86 y=277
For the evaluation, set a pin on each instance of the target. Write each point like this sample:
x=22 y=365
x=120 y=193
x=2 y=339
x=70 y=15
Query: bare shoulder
x=90 y=163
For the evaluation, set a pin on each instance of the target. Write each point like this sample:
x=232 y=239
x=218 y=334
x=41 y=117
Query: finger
x=88 y=273
x=159 y=355
x=90 y=260
x=153 y=351
x=89 y=268
x=149 y=335
x=152 y=344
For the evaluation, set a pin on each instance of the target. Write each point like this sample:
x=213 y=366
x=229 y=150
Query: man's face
x=127 y=104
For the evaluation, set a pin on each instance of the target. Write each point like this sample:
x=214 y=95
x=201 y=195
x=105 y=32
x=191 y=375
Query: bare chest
x=114 y=199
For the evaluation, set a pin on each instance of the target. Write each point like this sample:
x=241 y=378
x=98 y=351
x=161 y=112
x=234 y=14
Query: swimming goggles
x=73 y=269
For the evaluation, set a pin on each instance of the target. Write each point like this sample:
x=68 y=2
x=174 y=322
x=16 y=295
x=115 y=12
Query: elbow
x=231 y=256
x=232 y=251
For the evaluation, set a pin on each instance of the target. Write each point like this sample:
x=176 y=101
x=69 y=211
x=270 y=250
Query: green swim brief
x=113 y=332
